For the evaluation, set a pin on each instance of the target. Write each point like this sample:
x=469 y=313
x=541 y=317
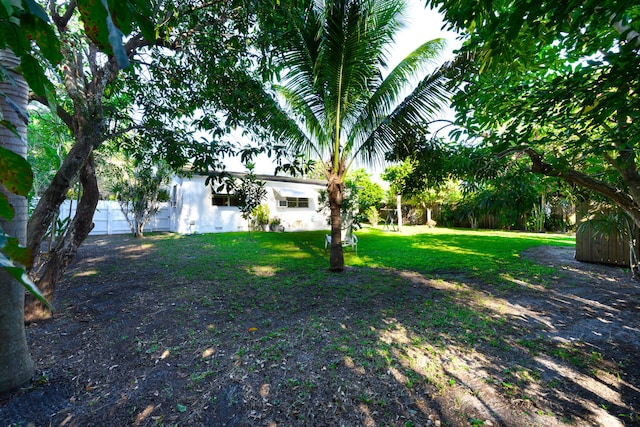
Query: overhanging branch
x=619 y=197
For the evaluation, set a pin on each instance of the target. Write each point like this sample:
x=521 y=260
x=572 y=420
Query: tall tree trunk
x=335 y=190
x=16 y=365
x=86 y=122
x=67 y=245
x=87 y=125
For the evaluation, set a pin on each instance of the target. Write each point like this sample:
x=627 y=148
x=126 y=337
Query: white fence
x=109 y=219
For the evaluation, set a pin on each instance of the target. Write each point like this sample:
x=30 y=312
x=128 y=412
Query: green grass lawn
x=491 y=255
x=438 y=313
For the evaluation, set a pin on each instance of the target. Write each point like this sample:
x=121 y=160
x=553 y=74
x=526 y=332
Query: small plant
x=261 y=216
x=274 y=224
x=373 y=216
x=139 y=192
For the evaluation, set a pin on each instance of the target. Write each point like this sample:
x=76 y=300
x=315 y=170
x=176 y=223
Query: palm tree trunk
x=16 y=365
x=335 y=189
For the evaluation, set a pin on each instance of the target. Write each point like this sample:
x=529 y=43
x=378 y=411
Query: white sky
x=422 y=25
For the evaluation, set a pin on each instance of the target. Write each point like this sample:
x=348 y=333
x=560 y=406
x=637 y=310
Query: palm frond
x=279 y=124
x=399 y=82
x=301 y=59
x=308 y=116
x=418 y=108
x=406 y=74
x=355 y=36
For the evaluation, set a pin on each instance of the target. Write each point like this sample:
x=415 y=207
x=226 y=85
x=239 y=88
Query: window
x=294 y=202
x=224 y=200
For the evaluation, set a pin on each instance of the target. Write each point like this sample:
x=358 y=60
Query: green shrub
x=373 y=216
x=261 y=214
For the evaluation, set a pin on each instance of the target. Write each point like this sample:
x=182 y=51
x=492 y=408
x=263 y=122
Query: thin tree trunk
x=399 y=208
x=49 y=205
x=16 y=365
x=67 y=246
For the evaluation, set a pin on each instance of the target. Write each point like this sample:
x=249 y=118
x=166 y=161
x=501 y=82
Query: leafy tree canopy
x=554 y=85
x=368 y=193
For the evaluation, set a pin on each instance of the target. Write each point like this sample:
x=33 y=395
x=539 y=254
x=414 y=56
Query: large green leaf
x=37 y=10
x=101 y=26
x=11 y=36
x=19 y=274
x=15 y=173
x=7 y=9
x=34 y=74
x=6 y=211
x=17 y=253
x=37 y=29
x=94 y=17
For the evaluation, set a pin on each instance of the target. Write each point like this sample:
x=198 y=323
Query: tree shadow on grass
x=187 y=336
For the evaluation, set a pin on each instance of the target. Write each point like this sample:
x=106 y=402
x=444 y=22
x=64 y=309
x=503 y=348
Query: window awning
x=283 y=193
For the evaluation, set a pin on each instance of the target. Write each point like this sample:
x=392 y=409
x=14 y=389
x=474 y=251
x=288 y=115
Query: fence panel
x=109 y=219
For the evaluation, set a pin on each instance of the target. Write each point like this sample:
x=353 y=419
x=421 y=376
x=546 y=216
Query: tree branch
x=619 y=197
x=60 y=111
x=62 y=21
x=122 y=131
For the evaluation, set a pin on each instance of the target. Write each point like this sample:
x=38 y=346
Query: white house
x=196 y=208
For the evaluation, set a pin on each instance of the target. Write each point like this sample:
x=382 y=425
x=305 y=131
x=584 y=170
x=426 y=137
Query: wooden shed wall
x=597 y=247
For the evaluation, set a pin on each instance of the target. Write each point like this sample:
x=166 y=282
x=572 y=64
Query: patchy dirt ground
x=135 y=343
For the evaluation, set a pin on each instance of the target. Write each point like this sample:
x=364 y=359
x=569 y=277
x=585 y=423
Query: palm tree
x=334 y=102
x=15 y=359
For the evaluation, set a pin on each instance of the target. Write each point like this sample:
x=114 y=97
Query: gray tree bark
x=16 y=365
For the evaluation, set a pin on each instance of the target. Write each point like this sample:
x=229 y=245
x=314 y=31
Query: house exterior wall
x=296 y=219
x=192 y=210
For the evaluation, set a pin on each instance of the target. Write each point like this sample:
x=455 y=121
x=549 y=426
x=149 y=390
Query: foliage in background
x=373 y=215
x=419 y=192
x=554 y=86
x=261 y=215
x=48 y=142
x=511 y=199
x=369 y=194
x=500 y=193
x=140 y=191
